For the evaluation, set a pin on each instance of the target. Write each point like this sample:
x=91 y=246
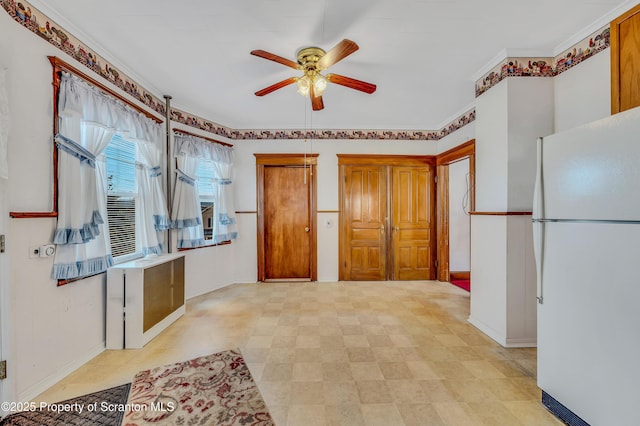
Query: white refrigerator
x=586 y=221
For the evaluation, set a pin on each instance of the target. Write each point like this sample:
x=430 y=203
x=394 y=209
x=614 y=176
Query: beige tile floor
x=352 y=353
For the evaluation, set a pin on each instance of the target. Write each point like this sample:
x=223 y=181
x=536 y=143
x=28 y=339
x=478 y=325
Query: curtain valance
x=78 y=100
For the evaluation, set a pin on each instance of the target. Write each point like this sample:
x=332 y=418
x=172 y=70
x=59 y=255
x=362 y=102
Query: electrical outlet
x=34 y=252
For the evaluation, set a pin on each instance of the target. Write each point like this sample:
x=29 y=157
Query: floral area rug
x=211 y=390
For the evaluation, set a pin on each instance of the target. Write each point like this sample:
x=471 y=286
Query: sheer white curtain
x=187 y=215
x=4 y=125
x=224 y=224
x=87 y=120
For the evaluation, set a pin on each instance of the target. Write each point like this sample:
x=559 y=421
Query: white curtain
x=87 y=120
x=4 y=125
x=224 y=224
x=187 y=215
x=152 y=218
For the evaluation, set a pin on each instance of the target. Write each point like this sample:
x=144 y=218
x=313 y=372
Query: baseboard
x=33 y=391
x=527 y=342
x=460 y=275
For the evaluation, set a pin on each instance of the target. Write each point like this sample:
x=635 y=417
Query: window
x=206 y=188
x=122 y=194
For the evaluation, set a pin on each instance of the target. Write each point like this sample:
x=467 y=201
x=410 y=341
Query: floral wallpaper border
x=545 y=67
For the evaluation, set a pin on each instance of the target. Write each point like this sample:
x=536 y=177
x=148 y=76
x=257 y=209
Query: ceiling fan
x=312 y=61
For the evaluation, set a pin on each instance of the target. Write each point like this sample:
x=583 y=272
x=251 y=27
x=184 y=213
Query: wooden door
x=363 y=223
x=625 y=61
x=287 y=238
x=443 y=272
x=413 y=224
x=286 y=217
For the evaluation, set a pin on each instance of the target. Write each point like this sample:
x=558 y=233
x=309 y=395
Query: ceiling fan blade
x=339 y=52
x=352 y=83
x=316 y=101
x=278 y=85
x=276 y=58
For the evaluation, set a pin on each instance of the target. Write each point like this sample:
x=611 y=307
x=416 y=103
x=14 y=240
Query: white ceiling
x=422 y=54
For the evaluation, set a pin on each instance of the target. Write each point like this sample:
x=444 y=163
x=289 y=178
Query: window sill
x=73 y=280
x=224 y=243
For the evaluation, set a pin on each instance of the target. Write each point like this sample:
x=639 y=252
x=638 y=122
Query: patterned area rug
x=212 y=390
x=67 y=412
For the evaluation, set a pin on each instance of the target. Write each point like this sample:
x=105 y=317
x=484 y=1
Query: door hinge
x=1 y=243
x=436 y=178
x=436 y=263
x=3 y=370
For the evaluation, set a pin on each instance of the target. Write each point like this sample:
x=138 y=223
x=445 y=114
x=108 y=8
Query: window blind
x=120 y=156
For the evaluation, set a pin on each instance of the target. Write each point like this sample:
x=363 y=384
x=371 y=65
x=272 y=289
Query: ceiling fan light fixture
x=319 y=84
x=312 y=61
x=304 y=85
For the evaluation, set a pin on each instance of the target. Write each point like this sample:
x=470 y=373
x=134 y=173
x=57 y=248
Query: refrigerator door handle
x=538 y=249
x=538 y=223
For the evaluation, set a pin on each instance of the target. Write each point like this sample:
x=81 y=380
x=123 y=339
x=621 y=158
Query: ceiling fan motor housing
x=308 y=58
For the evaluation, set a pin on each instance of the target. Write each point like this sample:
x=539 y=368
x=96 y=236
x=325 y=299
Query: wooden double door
x=387 y=218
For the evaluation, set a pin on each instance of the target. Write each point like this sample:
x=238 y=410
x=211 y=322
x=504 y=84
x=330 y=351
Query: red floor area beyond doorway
x=463 y=284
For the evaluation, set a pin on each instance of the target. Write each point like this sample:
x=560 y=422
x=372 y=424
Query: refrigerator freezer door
x=591 y=172
x=588 y=340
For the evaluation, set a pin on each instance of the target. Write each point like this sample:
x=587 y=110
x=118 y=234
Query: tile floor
x=348 y=353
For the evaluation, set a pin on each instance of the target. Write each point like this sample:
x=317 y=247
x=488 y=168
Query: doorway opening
x=456 y=199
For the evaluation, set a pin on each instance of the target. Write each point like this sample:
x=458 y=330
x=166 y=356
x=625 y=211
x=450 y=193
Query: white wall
x=491 y=149
x=530 y=103
x=459 y=219
x=5 y=297
x=583 y=93
x=54 y=329
x=503 y=290
x=327 y=191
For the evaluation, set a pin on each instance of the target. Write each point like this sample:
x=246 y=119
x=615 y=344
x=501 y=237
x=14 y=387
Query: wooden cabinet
x=387 y=212
x=625 y=61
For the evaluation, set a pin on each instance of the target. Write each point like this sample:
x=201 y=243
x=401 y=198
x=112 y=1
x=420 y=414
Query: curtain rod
x=184 y=132
x=59 y=64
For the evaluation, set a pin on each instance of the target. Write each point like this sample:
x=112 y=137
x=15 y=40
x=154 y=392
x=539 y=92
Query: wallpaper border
x=545 y=67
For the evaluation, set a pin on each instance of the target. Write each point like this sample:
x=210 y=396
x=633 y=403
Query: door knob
x=307 y=229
